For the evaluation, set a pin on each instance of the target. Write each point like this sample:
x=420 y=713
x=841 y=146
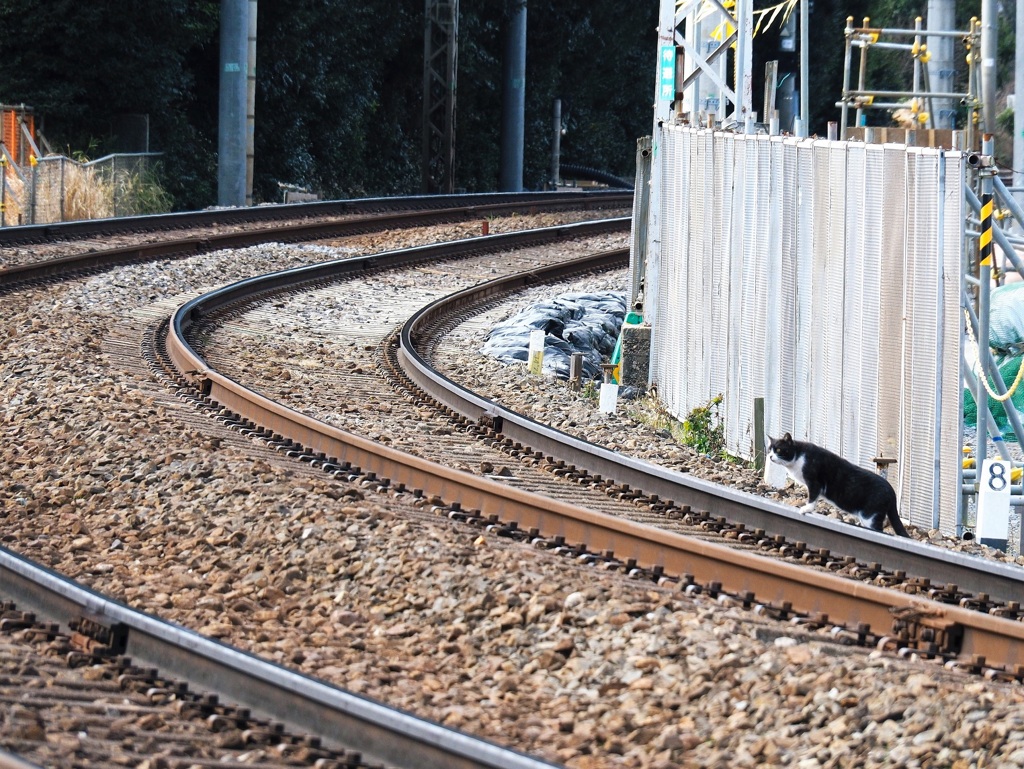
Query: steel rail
x=342 y=719
x=84 y=228
x=941 y=566
x=874 y=613
x=338 y=717
x=11 y=761
x=182 y=247
x=244 y=290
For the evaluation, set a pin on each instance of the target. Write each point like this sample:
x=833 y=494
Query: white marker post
x=993 y=525
x=609 y=397
x=609 y=390
x=536 y=359
x=775 y=475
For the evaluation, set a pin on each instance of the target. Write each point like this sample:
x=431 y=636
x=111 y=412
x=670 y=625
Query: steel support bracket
x=98 y=640
x=928 y=632
x=492 y=421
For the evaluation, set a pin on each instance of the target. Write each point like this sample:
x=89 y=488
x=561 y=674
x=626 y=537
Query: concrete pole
x=744 y=61
x=234 y=42
x=250 y=99
x=513 y=100
x=662 y=113
x=805 y=71
x=556 y=143
x=989 y=39
x=941 y=18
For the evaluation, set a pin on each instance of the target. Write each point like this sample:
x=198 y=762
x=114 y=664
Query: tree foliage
x=80 y=65
x=339 y=84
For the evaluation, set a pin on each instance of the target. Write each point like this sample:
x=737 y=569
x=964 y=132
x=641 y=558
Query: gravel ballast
x=112 y=481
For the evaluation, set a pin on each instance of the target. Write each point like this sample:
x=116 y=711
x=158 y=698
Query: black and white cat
x=830 y=477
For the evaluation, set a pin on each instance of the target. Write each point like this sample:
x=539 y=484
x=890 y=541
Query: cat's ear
x=787 y=437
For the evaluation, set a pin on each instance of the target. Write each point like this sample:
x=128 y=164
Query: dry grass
x=86 y=195
x=14 y=198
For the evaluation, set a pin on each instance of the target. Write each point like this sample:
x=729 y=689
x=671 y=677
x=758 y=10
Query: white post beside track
x=609 y=397
x=536 y=352
x=993 y=524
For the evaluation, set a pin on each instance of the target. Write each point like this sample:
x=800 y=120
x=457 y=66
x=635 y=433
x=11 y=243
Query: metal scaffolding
x=440 y=58
x=694 y=39
x=920 y=99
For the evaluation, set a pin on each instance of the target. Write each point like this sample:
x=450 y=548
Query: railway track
x=204 y=232
x=274 y=217
x=105 y=637
x=604 y=543
x=108 y=639
x=930 y=615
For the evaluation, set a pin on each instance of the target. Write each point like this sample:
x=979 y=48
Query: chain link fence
x=56 y=188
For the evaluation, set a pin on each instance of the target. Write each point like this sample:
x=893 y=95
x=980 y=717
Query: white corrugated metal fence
x=824 y=277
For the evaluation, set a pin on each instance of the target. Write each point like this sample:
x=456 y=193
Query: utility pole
x=804 y=127
x=989 y=40
x=234 y=56
x=513 y=99
x=556 y=143
x=744 y=57
x=250 y=100
x=941 y=18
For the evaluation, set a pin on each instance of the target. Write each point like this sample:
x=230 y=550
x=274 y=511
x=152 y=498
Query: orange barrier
x=11 y=119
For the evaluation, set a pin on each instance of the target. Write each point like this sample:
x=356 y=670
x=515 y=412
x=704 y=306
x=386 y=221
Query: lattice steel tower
x=440 y=57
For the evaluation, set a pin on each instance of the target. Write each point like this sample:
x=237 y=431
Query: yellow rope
x=979 y=369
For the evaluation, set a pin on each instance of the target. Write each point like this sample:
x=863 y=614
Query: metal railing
x=992 y=230
x=921 y=99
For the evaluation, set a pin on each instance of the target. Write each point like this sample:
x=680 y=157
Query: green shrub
x=703 y=429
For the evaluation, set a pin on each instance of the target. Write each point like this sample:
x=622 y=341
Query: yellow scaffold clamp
x=968 y=462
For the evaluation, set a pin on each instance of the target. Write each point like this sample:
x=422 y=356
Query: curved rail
x=343 y=719
x=871 y=614
x=315 y=230
x=59 y=231
x=939 y=565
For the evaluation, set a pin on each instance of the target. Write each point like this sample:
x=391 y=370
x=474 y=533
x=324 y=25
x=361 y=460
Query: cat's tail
x=896 y=523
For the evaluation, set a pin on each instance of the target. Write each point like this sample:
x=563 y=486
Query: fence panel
x=823 y=277
x=56 y=188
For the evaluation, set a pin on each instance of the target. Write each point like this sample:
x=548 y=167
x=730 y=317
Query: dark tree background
x=79 y=65
x=339 y=84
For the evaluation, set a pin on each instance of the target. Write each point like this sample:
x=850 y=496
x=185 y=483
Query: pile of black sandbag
x=588 y=323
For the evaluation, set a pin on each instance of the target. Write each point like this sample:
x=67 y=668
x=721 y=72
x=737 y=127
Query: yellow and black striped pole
x=986 y=172
x=985 y=240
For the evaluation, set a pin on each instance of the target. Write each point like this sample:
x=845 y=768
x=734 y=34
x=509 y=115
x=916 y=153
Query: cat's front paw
x=808 y=508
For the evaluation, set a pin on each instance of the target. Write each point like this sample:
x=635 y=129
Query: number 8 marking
x=997 y=477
